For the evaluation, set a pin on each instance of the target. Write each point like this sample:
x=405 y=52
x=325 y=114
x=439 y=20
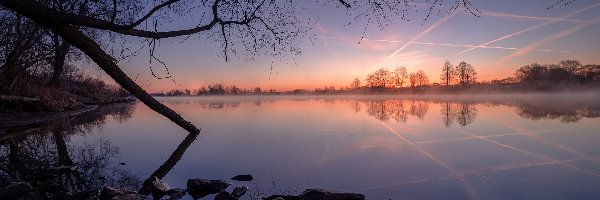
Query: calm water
x=390 y=147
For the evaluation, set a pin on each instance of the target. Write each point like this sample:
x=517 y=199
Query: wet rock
x=130 y=197
x=85 y=195
x=282 y=197
x=15 y=190
x=175 y=194
x=246 y=177
x=239 y=191
x=154 y=186
x=322 y=194
x=114 y=193
x=199 y=188
x=224 y=195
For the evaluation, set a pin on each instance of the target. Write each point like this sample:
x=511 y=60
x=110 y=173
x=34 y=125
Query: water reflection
x=454 y=110
x=317 y=141
x=465 y=112
x=45 y=154
x=398 y=110
x=566 y=113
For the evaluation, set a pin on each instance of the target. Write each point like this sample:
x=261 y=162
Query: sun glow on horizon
x=497 y=43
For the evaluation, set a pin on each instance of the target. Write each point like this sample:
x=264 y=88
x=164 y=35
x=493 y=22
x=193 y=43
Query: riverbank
x=26 y=120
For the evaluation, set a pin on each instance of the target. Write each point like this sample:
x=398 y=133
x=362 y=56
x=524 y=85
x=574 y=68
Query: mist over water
x=530 y=146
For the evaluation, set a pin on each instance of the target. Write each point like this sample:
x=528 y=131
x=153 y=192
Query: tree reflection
x=355 y=106
x=461 y=113
x=448 y=113
x=564 y=112
x=466 y=114
x=45 y=156
x=398 y=110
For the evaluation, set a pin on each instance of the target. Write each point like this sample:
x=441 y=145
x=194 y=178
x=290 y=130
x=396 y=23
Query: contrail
x=454 y=45
x=529 y=153
x=533 y=46
x=500 y=14
x=534 y=136
x=499 y=168
x=416 y=37
x=487 y=136
x=469 y=188
x=506 y=15
x=530 y=28
x=323 y=32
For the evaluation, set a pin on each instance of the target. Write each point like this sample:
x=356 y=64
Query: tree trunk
x=60 y=54
x=107 y=63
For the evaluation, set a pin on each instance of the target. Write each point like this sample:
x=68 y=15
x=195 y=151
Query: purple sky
x=508 y=35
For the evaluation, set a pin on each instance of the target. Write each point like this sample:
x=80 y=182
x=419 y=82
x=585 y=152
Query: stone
x=322 y=194
x=85 y=195
x=282 y=197
x=154 y=186
x=239 y=191
x=15 y=190
x=224 y=195
x=199 y=188
x=176 y=194
x=246 y=177
x=115 y=193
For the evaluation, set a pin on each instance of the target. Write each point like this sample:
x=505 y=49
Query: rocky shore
x=152 y=188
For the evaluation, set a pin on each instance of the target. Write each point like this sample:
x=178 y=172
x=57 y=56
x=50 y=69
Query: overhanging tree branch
x=104 y=61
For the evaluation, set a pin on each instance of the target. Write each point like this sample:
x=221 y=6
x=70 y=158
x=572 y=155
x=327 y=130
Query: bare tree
x=418 y=79
x=380 y=78
x=399 y=76
x=466 y=73
x=355 y=83
x=448 y=74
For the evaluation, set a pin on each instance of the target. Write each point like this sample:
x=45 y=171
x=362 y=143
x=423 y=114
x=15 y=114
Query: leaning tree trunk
x=107 y=63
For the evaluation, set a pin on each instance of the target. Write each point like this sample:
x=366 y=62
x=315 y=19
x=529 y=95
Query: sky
x=507 y=34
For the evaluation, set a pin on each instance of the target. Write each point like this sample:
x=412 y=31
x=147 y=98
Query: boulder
x=322 y=194
x=154 y=186
x=176 y=194
x=224 y=195
x=115 y=193
x=282 y=197
x=15 y=190
x=199 y=188
x=239 y=191
x=85 y=195
x=245 y=177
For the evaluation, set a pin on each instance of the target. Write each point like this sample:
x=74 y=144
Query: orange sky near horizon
x=506 y=36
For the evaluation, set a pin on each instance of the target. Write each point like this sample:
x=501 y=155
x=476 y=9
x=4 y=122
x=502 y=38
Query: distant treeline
x=215 y=89
x=567 y=74
x=462 y=78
